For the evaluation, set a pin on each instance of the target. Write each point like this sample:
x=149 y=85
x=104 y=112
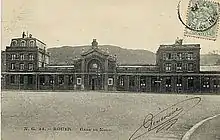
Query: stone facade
x=177 y=70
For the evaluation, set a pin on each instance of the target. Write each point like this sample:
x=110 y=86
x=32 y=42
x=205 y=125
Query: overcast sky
x=135 y=24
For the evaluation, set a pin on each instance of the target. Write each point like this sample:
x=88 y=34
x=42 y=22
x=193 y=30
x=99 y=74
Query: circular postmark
x=202 y=15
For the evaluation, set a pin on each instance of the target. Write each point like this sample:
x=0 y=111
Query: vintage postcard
x=110 y=70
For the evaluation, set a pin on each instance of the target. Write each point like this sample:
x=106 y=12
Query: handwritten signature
x=166 y=118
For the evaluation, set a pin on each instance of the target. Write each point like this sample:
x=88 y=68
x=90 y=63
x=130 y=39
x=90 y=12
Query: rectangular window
x=31 y=57
x=61 y=79
x=30 y=66
x=13 y=56
x=110 y=81
x=121 y=81
x=131 y=81
x=164 y=56
x=51 y=80
x=78 y=81
x=216 y=83
x=183 y=56
x=22 y=66
x=190 y=56
x=174 y=56
x=179 y=67
x=142 y=81
x=12 y=66
x=22 y=56
x=168 y=67
x=168 y=56
x=190 y=67
x=179 y=56
x=12 y=79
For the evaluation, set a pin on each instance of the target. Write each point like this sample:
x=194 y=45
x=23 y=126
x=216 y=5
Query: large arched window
x=94 y=66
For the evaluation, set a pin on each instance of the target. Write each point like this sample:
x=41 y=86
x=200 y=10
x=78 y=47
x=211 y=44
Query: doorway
x=93 y=84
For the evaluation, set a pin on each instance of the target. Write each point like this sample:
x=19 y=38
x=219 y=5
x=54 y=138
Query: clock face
x=95 y=66
x=202 y=15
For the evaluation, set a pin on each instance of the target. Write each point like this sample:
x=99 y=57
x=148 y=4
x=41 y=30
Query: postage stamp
x=202 y=19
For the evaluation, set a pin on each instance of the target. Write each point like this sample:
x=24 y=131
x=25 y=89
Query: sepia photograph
x=110 y=70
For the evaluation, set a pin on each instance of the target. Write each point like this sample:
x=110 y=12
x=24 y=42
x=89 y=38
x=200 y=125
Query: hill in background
x=65 y=54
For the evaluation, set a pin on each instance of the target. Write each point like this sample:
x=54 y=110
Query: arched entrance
x=95 y=75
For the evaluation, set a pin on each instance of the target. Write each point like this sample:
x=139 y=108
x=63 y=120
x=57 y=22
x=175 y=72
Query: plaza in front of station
x=70 y=115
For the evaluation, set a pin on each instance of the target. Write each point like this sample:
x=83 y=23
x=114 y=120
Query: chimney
x=23 y=35
x=178 y=41
x=94 y=43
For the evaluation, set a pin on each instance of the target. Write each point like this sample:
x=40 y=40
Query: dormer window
x=31 y=43
x=23 y=43
x=14 y=43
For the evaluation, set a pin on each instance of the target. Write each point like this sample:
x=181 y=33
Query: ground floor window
x=110 y=81
x=78 y=81
x=21 y=79
x=168 y=82
x=190 y=82
x=51 y=80
x=179 y=82
x=216 y=83
x=30 y=79
x=12 y=79
x=121 y=80
x=132 y=81
x=143 y=81
x=42 y=80
x=206 y=82
x=61 y=79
